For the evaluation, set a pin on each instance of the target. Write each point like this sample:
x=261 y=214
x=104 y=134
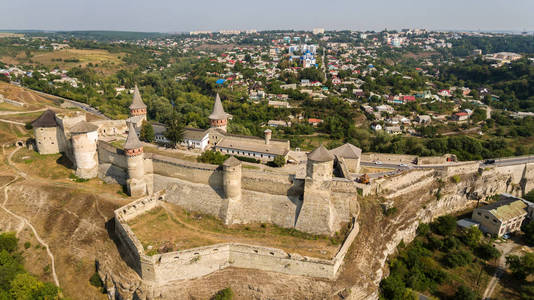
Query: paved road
x=385 y=166
x=498 y=162
x=512 y=161
x=81 y=105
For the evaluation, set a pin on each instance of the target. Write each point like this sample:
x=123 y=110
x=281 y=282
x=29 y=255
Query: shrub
x=423 y=229
x=521 y=267
x=456 y=178
x=465 y=293
x=389 y=211
x=450 y=243
x=224 y=294
x=27 y=245
x=212 y=157
x=8 y=242
x=457 y=259
x=278 y=161
x=434 y=243
x=444 y=225
x=471 y=237
x=95 y=280
x=529 y=233
x=248 y=159
x=487 y=252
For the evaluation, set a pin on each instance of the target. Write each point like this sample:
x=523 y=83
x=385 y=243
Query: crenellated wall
x=192 y=263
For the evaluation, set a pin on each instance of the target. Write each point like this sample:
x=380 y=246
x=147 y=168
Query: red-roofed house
x=461 y=116
x=408 y=98
x=314 y=121
x=444 y=93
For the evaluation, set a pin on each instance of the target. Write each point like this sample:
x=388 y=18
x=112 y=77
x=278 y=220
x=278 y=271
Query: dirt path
x=5 y=113
x=505 y=249
x=12 y=122
x=26 y=221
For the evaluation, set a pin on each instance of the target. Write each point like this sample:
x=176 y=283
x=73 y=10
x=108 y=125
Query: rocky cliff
x=365 y=263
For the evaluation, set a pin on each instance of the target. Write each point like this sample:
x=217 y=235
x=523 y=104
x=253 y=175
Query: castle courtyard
x=170 y=228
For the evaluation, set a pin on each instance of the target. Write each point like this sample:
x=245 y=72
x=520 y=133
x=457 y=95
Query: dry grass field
x=173 y=228
x=10 y=35
x=69 y=58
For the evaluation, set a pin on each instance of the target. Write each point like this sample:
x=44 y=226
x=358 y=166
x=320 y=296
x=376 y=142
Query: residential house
x=393 y=130
x=314 y=121
x=460 y=116
x=376 y=127
x=279 y=104
x=278 y=123
x=385 y=108
x=423 y=119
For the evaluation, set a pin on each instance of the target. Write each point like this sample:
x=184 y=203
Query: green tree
x=465 y=293
x=147 y=132
x=26 y=287
x=529 y=233
x=8 y=242
x=212 y=157
x=175 y=130
x=521 y=267
x=472 y=236
x=444 y=225
x=279 y=161
x=487 y=252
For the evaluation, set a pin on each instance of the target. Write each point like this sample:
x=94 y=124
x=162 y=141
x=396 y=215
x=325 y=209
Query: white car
x=378 y=162
x=403 y=165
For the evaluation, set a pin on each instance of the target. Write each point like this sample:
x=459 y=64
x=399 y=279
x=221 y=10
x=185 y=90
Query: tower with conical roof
x=137 y=108
x=320 y=164
x=133 y=149
x=218 y=117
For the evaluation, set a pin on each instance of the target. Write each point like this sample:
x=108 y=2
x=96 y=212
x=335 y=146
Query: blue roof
x=220 y=81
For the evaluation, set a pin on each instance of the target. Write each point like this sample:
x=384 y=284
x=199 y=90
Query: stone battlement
x=196 y=262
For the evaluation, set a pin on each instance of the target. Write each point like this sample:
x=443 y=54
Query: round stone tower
x=135 y=160
x=232 y=178
x=84 y=137
x=218 y=117
x=320 y=164
x=231 y=210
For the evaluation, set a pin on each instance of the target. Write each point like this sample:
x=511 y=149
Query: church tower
x=137 y=108
x=135 y=160
x=218 y=118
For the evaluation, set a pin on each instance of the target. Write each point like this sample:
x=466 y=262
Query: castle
x=315 y=201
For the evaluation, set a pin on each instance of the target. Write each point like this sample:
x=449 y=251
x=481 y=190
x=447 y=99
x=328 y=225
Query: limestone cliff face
x=453 y=197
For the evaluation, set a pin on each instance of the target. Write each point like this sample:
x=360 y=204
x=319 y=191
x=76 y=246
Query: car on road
x=403 y=165
x=378 y=162
x=489 y=161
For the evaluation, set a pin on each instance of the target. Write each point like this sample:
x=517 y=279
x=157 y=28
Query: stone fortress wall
x=193 y=263
x=263 y=196
x=514 y=179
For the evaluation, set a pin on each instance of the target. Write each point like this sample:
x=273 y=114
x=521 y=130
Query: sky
x=189 y=15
